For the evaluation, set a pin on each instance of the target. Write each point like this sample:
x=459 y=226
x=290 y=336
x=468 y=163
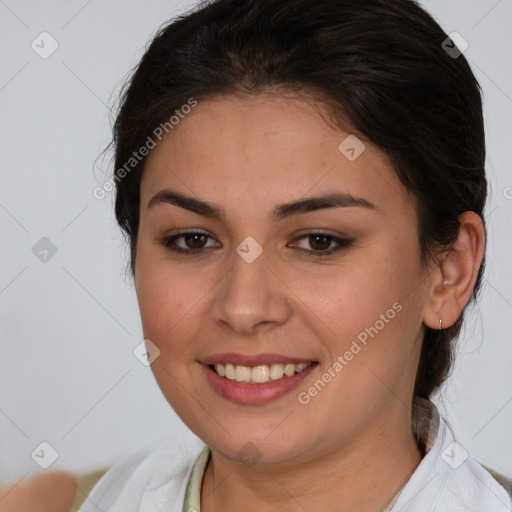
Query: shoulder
x=467 y=481
x=449 y=479
x=153 y=479
x=478 y=488
x=502 y=479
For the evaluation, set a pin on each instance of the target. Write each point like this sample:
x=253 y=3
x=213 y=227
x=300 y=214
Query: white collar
x=445 y=476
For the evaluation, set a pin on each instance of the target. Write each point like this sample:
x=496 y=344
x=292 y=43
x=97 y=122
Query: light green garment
x=192 y=501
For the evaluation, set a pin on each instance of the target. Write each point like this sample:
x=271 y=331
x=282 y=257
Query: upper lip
x=252 y=360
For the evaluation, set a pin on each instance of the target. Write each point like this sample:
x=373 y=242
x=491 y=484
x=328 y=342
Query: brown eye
x=195 y=240
x=319 y=242
x=190 y=242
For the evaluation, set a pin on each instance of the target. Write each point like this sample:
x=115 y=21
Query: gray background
x=68 y=326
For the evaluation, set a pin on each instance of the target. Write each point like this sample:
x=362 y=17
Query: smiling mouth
x=258 y=374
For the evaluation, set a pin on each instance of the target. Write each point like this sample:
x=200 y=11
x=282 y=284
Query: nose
x=251 y=298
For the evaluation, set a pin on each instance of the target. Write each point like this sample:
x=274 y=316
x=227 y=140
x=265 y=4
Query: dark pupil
x=198 y=238
x=313 y=239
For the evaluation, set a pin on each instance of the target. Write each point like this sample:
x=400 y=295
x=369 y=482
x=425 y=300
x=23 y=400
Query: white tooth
x=289 y=369
x=276 y=371
x=229 y=370
x=301 y=367
x=260 y=374
x=242 y=373
x=219 y=368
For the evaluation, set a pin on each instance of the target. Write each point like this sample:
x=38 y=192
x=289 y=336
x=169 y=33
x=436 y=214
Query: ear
x=453 y=278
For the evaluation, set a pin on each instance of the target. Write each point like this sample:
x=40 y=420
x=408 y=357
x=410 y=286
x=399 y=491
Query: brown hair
x=381 y=67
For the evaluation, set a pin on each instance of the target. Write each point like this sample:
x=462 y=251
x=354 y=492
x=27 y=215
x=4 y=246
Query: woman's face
x=280 y=277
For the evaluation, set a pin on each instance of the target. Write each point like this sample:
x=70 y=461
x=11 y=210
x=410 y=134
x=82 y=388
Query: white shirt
x=157 y=478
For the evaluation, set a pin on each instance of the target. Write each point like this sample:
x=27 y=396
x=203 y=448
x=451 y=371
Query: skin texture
x=47 y=492
x=247 y=156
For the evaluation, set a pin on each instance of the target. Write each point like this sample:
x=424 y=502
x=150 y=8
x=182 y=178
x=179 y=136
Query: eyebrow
x=282 y=211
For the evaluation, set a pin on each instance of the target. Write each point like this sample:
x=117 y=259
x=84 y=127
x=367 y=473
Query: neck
x=365 y=474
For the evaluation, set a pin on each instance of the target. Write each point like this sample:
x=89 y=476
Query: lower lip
x=258 y=393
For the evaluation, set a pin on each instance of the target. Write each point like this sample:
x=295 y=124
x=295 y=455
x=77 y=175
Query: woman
x=302 y=185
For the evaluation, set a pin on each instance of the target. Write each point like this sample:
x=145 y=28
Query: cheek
x=350 y=297
x=375 y=300
x=161 y=294
x=172 y=300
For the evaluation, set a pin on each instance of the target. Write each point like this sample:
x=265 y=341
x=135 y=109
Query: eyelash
x=343 y=243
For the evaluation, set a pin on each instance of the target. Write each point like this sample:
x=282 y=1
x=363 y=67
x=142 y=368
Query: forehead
x=267 y=149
